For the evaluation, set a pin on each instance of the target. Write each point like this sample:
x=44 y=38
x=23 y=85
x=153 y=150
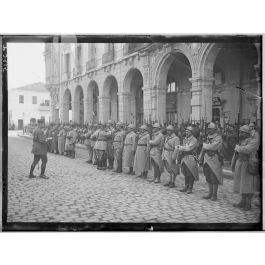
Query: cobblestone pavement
x=77 y=192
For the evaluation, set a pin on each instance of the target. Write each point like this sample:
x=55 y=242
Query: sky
x=26 y=64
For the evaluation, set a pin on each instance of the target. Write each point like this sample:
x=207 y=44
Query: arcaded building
x=164 y=82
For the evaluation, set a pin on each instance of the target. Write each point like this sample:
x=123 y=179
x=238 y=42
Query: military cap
x=189 y=128
x=131 y=126
x=251 y=124
x=212 y=126
x=245 y=129
x=156 y=125
x=170 y=128
x=144 y=127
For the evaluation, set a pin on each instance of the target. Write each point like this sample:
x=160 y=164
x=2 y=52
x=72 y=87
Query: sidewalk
x=226 y=168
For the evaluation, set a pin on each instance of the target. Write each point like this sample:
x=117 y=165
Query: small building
x=27 y=104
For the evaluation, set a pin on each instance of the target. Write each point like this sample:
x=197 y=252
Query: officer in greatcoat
x=93 y=139
x=101 y=148
x=110 y=151
x=61 y=143
x=169 y=157
x=245 y=153
x=118 y=143
x=129 y=149
x=188 y=160
x=87 y=143
x=211 y=160
x=156 y=147
x=39 y=149
x=142 y=157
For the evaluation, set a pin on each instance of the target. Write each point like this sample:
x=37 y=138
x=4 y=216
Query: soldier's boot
x=172 y=181
x=145 y=174
x=209 y=196
x=31 y=171
x=186 y=185
x=110 y=166
x=215 y=189
x=155 y=176
x=190 y=188
x=242 y=203
x=42 y=173
x=131 y=171
x=158 y=178
x=247 y=206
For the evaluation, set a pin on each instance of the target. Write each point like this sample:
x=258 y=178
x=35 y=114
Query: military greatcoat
x=129 y=150
x=156 y=145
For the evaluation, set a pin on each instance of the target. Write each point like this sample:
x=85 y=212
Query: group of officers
x=122 y=148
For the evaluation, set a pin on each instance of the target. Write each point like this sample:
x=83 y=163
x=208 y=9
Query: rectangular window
x=34 y=100
x=21 y=99
x=47 y=102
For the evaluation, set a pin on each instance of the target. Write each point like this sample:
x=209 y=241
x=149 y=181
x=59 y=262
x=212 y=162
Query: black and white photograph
x=132 y=133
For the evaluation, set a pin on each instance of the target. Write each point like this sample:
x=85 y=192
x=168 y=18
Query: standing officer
x=156 y=145
x=168 y=155
x=118 y=147
x=142 y=159
x=187 y=157
x=110 y=151
x=101 y=148
x=210 y=158
x=61 y=140
x=88 y=145
x=129 y=149
x=93 y=142
x=245 y=153
x=39 y=149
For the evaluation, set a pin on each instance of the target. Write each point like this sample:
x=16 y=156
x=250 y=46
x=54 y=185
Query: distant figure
x=39 y=149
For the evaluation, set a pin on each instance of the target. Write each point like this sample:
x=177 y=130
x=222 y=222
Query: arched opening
x=110 y=95
x=79 y=105
x=134 y=86
x=174 y=78
x=92 y=107
x=234 y=83
x=67 y=107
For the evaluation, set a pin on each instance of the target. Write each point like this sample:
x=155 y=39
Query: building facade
x=27 y=104
x=164 y=82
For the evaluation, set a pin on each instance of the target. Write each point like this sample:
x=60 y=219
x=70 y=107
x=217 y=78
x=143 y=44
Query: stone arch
x=133 y=90
x=67 y=106
x=91 y=102
x=78 y=105
x=110 y=99
x=172 y=88
x=236 y=60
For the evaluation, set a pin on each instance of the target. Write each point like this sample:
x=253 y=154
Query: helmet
x=119 y=124
x=245 y=129
x=212 y=126
x=156 y=125
x=189 y=128
x=144 y=127
x=170 y=128
x=131 y=126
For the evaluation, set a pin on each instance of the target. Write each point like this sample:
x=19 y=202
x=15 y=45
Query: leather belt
x=99 y=140
x=127 y=144
x=141 y=144
x=170 y=150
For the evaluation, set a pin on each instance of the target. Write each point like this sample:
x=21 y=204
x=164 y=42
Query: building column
x=258 y=99
x=124 y=106
x=104 y=103
x=65 y=113
x=158 y=105
x=76 y=111
x=53 y=111
x=88 y=110
x=201 y=98
x=147 y=104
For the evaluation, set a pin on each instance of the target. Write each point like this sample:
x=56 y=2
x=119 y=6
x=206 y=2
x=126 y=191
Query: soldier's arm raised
x=252 y=146
x=216 y=143
x=190 y=146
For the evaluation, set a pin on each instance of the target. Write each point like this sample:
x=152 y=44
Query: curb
x=228 y=174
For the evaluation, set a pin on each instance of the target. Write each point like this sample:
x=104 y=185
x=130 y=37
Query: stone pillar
x=258 y=100
x=76 y=111
x=65 y=113
x=147 y=102
x=124 y=106
x=53 y=111
x=201 y=98
x=104 y=103
x=158 y=105
x=88 y=110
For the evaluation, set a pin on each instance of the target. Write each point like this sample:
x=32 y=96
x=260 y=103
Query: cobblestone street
x=77 y=192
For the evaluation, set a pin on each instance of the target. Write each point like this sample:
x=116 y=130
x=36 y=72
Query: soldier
x=39 y=149
x=168 y=155
x=101 y=148
x=72 y=142
x=118 y=147
x=88 y=145
x=110 y=151
x=187 y=155
x=129 y=149
x=254 y=132
x=210 y=159
x=61 y=140
x=156 y=145
x=93 y=142
x=54 y=148
x=67 y=141
x=245 y=152
x=142 y=160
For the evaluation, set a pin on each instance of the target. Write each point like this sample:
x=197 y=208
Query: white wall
x=30 y=110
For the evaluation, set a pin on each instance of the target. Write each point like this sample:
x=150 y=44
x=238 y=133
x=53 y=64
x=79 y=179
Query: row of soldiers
x=123 y=148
